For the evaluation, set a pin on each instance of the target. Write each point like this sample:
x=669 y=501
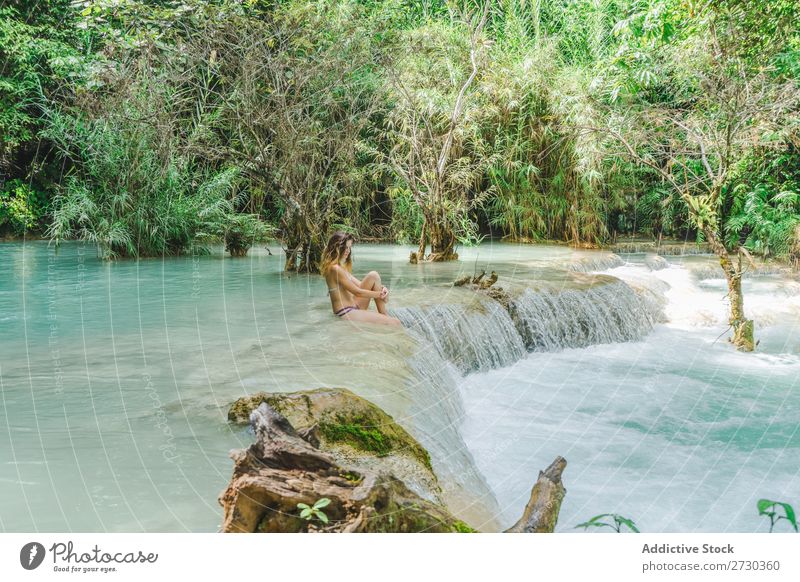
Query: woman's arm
x=345 y=280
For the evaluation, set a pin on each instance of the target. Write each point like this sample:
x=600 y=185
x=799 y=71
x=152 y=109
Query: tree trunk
x=293 y=237
x=442 y=241
x=794 y=251
x=310 y=258
x=541 y=513
x=423 y=241
x=742 y=327
x=291 y=259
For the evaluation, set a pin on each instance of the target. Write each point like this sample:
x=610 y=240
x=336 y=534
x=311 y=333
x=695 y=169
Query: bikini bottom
x=345 y=310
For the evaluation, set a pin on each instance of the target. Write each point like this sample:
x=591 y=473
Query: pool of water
x=116 y=378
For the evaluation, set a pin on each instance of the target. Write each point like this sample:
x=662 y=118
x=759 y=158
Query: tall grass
x=129 y=187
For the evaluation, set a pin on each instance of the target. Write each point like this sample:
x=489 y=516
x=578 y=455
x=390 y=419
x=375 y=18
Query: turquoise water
x=116 y=378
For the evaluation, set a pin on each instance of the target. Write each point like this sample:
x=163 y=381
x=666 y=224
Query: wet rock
x=352 y=430
x=282 y=469
x=655 y=262
x=486 y=286
x=285 y=471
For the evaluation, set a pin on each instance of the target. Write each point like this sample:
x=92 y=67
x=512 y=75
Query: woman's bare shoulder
x=334 y=273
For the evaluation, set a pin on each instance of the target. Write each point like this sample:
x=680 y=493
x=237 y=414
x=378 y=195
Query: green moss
x=240 y=410
x=342 y=417
x=360 y=435
x=351 y=476
x=424 y=456
x=461 y=527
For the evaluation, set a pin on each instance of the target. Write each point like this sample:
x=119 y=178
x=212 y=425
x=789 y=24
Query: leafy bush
x=765 y=212
x=314 y=512
x=133 y=188
x=21 y=207
x=37 y=53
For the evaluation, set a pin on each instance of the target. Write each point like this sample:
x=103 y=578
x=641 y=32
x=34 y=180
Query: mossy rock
x=342 y=418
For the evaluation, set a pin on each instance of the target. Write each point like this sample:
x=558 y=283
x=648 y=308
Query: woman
x=349 y=296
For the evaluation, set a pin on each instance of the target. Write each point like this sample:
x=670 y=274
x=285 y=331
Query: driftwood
x=281 y=469
x=541 y=513
x=476 y=282
x=485 y=286
x=473 y=281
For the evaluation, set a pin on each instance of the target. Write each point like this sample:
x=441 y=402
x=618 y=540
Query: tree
x=429 y=126
x=299 y=92
x=724 y=102
x=37 y=55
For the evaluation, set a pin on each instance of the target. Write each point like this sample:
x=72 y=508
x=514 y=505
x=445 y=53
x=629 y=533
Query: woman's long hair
x=335 y=250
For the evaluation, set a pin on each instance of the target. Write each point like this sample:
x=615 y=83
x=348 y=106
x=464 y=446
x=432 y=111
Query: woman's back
x=340 y=297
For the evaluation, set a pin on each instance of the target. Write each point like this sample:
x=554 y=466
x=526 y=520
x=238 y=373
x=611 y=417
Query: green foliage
x=37 y=52
x=21 y=207
x=300 y=111
x=406 y=216
x=461 y=527
x=771 y=508
x=315 y=511
x=765 y=204
x=548 y=178
x=618 y=522
x=708 y=97
x=659 y=211
x=128 y=192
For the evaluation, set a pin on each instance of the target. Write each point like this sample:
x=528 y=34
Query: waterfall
x=482 y=336
x=571 y=318
x=478 y=336
x=437 y=405
x=473 y=333
x=595 y=263
x=437 y=387
x=712 y=270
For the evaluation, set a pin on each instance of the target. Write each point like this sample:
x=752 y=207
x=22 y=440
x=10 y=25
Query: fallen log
x=541 y=512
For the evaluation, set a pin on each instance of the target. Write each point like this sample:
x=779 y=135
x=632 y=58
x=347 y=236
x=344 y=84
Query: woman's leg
x=360 y=316
x=371 y=282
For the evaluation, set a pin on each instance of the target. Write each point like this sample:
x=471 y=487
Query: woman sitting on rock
x=349 y=296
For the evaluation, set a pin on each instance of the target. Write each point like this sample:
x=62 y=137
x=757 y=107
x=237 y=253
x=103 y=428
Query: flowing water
x=116 y=378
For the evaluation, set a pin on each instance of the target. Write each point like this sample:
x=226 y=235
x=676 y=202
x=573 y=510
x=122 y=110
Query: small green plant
x=770 y=509
x=619 y=521
x=310 y=512
x=21 y=207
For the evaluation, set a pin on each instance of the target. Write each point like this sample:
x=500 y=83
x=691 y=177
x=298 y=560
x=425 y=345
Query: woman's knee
x=371 y=279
